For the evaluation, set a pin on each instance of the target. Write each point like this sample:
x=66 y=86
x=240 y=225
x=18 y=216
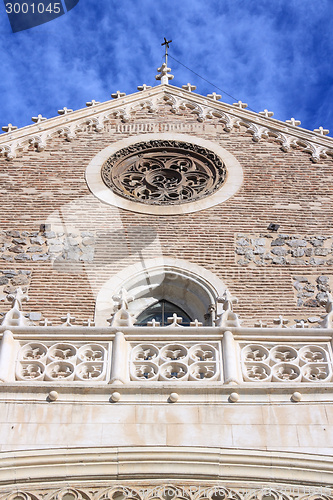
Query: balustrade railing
x=148 y=356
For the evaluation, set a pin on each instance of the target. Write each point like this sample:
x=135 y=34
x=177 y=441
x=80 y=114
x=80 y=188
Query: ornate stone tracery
x=173 y=492
x=164 y=172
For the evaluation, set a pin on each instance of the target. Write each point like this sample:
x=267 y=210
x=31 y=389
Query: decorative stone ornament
x=53 y=396
x=227 y=318
x=296 y=397
x=164 y=172
x=115 y=397
x=143 y=87
x=9 y=128
x=164 y=74
x=173 y=398
x=39 y=134
x=15 y=317
x=234 y=397
x=189 y=87
x=328 y=319
x=121 y=316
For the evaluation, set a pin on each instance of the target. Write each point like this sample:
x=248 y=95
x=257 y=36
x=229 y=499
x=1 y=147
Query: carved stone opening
x=164 y=172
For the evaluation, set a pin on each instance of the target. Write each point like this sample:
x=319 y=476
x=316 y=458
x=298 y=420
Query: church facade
x=166 y=275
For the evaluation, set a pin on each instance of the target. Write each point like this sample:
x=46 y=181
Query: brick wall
x=94 y=241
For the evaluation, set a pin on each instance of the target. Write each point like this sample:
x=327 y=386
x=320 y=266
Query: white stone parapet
x=199 y=354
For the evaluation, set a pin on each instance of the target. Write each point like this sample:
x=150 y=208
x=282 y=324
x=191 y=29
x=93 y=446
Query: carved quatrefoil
x=164 y=172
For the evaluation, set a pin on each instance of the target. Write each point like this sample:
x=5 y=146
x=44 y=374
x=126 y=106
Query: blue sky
x=274 y=54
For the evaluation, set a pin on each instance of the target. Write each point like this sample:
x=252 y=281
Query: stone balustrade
x=146 y=355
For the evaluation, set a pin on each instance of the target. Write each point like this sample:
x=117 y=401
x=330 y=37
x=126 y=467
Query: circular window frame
x=232 y=182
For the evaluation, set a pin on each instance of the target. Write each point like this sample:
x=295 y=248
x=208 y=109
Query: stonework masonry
x=279 y=187
x=237 y=404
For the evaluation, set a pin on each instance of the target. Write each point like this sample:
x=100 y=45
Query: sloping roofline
x=205 y=108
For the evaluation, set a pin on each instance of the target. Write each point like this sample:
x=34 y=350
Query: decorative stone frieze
x=284 y=250
x=164 y=172
x=286 y=363
x=63 y=361
x=70 y=123
x=175 y=362
x=170 y=491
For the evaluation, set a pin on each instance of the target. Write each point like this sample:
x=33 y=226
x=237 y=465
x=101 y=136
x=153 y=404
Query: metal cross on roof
x=166 y=43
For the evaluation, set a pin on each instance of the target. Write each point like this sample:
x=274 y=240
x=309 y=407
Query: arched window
x=161 y=287
x=161 y=311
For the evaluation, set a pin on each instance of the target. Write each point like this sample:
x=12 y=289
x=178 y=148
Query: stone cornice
x=165 y=333
x=205 y=108
x=242 y=467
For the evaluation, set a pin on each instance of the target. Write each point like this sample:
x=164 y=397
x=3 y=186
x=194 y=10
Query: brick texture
x=98 y=240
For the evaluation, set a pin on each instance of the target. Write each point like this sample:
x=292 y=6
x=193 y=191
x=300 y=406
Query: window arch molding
x=190 y=286
x=232 y=183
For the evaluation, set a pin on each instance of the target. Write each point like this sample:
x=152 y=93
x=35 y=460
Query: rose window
x=164 y=172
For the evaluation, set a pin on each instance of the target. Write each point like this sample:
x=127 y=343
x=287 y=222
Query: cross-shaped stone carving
x=153 y=323
x=118 y=94
x=67 y=320
x=300 y=323
x=227 y=300
x=144 y=87
x=293 y=122
x=92 y=103
x=214 y=96
x=64 y=111
x=240 y=105
x=122 y=298
x=38 y=119
x=17 y=298
x=189 y=87
x=45 y=322
x=195 y=323
x=266 y=113
x=174 y=320
x=9 y=128
x=322 y=131
x=260 y=324
x=89 y=323
x=163 y=74
x=281 y=322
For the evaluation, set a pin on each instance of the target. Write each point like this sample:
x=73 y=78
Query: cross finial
x=122 y=298
x=240 y=104
x=166 y=44
x=118 y=95
x=300 y=323
x=38 y=119
x=260 y=324
x=163 y=74
x=266 y=113
x=281 y=322
x=153 y=323
x=89 y=323
x=9 y=128
x=17 y=298
x=144 y=87
x=64 y=111
x=45 y=322
x=214 y=96
x=67 y=320
x=175 y=320
x=293 y=122
x=227 y=300
x=322 y=131
x=92 y=103
x=195 y=323
x=189 y=87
